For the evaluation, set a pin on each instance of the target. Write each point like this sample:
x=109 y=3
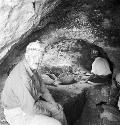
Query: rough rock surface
x=18 y=18
x=91 y=21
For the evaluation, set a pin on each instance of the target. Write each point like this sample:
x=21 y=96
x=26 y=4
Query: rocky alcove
x=70 y=30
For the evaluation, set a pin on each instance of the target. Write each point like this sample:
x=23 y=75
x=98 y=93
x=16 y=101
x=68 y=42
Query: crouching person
x=26 y=100
x=102 y=68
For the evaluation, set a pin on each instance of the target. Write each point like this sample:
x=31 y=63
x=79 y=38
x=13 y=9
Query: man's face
x=35 y=58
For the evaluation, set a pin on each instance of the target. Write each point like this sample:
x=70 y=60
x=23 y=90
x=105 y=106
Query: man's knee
x=45 y=120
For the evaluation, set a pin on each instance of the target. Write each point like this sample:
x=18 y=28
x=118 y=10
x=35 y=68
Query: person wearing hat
x=25 y=99
x=101 y=68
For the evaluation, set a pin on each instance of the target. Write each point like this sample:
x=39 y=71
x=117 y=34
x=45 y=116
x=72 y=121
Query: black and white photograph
x=59 y=62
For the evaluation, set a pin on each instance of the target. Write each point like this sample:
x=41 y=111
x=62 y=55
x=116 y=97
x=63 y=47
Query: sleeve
x=26 y=101
x=47 y=95
x=45 y=92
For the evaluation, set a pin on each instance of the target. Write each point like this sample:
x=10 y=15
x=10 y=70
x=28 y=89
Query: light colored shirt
x=100 y=66
x=20 y=91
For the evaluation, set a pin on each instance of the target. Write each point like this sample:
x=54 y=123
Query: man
x=25 y=98
x=101 y=70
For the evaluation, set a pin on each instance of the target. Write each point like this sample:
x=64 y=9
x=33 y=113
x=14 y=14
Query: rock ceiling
x=61 y=24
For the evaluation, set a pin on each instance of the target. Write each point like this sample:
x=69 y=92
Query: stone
x=66 y=78
x=19 y=18
x=16 y=19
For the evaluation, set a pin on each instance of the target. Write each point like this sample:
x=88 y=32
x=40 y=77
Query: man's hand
x=41 y=109
x=56 y=83
x=59 y=107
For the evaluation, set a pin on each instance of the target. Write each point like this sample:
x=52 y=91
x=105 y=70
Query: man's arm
x=27 y=102
x=47 y=95
x=43 y=89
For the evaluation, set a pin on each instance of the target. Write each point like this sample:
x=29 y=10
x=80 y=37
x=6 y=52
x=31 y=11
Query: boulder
x=18 y=18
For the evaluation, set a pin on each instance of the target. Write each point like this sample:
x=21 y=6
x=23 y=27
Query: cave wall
x=94 y=22
x=70 y=29
x=18 y=18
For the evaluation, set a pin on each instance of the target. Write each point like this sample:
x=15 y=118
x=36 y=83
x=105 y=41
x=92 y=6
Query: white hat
x=35 y=46
x=33 y=49
x=100 y=66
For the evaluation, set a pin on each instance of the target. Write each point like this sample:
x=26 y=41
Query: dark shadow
x=73 y=108
x=73 y=104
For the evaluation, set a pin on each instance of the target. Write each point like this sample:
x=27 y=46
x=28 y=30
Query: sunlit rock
x=18 y=18
x=68 y=60
x=79 y=27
